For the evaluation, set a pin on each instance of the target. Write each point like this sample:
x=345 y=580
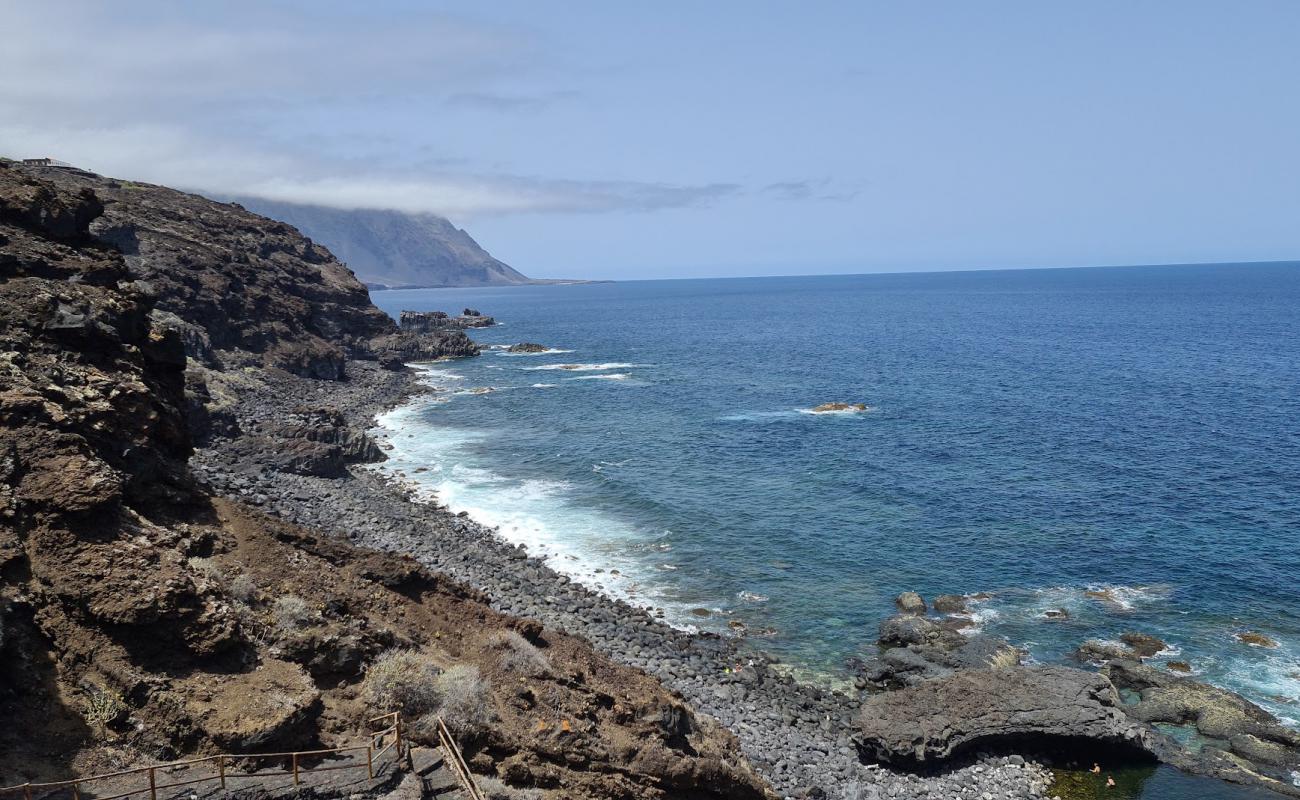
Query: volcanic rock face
x=937 y=719
x=248 y=283
x=144 y=618
x=94 y=441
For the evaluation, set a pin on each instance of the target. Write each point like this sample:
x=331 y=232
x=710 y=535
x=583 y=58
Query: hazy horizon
x=620 y=142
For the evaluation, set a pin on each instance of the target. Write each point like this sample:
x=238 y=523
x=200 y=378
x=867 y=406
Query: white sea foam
x=613 y=376
x=750 y=597
x=595 y=548
x=1127 y=598
x=839 y=412
x=547 y=352
x=585 y=367
x=759 y=416
x=544 y=385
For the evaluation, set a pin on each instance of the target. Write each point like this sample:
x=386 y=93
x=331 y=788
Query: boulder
x=935 y=720
x=902 y=630
x=1098 y=651
x=950 y=604
x=527 y=347
x=1255 y=639
x=910 y=603
x=825 y=408
x=1144 y=644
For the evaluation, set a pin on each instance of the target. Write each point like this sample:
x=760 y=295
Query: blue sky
x=622 y=140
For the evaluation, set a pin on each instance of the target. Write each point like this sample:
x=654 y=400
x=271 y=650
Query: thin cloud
x=508 y=103
x=148 y=91
x=809 y=190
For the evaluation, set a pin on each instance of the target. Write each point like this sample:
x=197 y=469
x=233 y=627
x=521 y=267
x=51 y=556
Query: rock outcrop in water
x=946 y=693
x=1034 y=706
x=1234 y=738
x=827 y=408
x=431 y=321
x=527 y=347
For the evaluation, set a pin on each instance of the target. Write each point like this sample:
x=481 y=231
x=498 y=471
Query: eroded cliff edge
x=144 y=616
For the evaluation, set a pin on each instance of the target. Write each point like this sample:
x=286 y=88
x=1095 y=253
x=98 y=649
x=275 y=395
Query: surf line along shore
x=804 y=738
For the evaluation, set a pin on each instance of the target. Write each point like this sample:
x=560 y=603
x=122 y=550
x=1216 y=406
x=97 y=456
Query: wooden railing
x=378 y=744
x=457 y=762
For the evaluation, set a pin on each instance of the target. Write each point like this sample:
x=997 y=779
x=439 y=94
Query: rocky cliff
x=144 y=615
x=392 y=248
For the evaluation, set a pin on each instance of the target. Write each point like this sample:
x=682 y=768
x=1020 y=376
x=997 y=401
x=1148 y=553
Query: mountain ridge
x=393 y=249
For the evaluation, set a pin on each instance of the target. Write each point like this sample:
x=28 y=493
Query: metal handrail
x=457 y=762
x=223 y=758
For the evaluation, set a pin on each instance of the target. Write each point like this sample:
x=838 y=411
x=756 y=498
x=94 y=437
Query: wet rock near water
x=1235 y=739
x=430 y=321
x=527 y=347
x=939 y=719
x=910 y=603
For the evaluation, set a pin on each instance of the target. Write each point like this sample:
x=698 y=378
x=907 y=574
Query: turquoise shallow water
x=1032 y=434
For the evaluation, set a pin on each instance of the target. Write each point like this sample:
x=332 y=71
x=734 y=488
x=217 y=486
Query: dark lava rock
x=950 y=604
x=910 y=603
x=1145 y=645
x=526 y=347
x=902 y=630
x=936 y=720
x=429 y=321
x=248 y=283
x=1096 y=651
x=1253 y=746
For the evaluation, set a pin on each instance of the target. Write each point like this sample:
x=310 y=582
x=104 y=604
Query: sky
x=683 y=139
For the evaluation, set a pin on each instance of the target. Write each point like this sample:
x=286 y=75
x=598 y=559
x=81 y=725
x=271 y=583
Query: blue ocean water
x=1031 y=434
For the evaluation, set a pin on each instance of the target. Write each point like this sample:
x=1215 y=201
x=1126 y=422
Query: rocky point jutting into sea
x=195 y=558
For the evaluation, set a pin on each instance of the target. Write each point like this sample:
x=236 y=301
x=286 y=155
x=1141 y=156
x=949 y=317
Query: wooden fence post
x=76 y=791
x=370 y=760
x=397 y=732
x=153 y=785
x=221 y=769
x=295 y=769
x=27 y=790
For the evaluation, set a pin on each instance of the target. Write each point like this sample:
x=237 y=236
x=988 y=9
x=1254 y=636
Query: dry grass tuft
x=1005 y=658
x=496 y=789
x=291 y=612
x=517 y=654
x=402 y=680
x=242 y=589
x=463 y=701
